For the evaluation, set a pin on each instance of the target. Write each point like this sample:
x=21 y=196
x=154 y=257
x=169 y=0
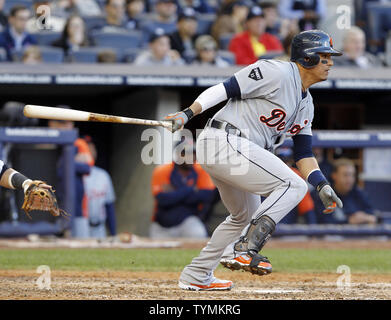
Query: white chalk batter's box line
x=359 y=285
x=273 y=291
x=379 y=286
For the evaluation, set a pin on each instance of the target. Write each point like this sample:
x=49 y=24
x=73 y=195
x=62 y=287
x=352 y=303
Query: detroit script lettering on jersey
x=276 y=119
x=271 y=103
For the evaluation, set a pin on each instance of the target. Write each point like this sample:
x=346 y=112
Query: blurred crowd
x=185 y=196
x=176 y=32
x=94 y=213
x=182 y=32
x=342 y=174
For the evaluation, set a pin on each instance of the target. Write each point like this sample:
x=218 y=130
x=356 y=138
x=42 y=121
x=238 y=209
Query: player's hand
x=179 y=119
x=329 y=198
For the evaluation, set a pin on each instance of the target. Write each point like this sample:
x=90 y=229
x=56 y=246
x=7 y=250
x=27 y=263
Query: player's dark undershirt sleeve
x=171 y=198
x=110 y=220
x=232 y=88
x=302 y=147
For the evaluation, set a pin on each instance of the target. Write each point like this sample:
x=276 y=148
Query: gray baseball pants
x=243 y=172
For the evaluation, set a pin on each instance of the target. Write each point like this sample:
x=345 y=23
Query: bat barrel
x=50 y=113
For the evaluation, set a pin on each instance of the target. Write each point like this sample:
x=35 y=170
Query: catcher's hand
x=329 y=198
x=40 y=196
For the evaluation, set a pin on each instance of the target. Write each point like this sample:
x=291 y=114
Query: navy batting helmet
x=307 y=44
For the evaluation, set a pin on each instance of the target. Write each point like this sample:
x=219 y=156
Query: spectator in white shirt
x=354 y=54
x=159 y=52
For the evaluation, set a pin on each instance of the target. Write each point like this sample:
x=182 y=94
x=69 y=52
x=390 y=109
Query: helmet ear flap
x=310 y=60
x=314 y=59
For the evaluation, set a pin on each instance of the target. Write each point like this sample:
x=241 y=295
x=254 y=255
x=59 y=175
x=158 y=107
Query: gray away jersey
x=271 y=103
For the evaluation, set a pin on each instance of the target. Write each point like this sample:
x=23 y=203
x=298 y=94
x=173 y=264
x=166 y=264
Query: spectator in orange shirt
x=184 y=194
x=305 y=210
x=255 y=42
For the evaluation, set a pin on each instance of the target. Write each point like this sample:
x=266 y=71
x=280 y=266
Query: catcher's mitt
x=40 y=198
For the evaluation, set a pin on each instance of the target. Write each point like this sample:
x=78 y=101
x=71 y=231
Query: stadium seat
x=90 y=55
x=92 y=22
x=381 y=199
x=129 y=55
x=146 y=22
x=85 y=55
x=3 y=55
x=189 y=56
x=271 y=54
x=45 y=38
x=88 y=8
x=118 y=40
x=10 y=3
x=227 y=56
x=205 y=22
x=49 y=55
x=101 y=3
x=52 y=55
x=224 y=40
x=379 y=24
x=148 y=27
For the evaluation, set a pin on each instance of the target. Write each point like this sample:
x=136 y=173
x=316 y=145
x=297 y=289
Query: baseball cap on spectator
x=187 y=13
x=205 y=42
x=157 y=33
x=254 y=12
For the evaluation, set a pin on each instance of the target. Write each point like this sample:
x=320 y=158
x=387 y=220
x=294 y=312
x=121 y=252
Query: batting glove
x=179 y=119
x=329 y=198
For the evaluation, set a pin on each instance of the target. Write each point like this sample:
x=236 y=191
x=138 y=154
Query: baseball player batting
x=266 y=100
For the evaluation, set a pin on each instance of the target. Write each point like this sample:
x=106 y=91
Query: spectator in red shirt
x=255 y=42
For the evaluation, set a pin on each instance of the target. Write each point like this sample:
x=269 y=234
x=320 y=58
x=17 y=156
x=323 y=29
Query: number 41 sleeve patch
x=255 y=74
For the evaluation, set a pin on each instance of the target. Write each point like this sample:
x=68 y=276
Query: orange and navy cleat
x=215 y=285
x=258 y=264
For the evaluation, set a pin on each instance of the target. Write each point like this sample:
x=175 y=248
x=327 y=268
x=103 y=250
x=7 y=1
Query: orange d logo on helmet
x=331 y=42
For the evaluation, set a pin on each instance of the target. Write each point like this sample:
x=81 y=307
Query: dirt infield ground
x=21 y=284
x=163 y=285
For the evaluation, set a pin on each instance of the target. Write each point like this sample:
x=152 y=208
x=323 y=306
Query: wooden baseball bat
x=43 y=112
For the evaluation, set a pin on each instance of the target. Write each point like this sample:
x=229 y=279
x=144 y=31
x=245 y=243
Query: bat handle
x=166 y=124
